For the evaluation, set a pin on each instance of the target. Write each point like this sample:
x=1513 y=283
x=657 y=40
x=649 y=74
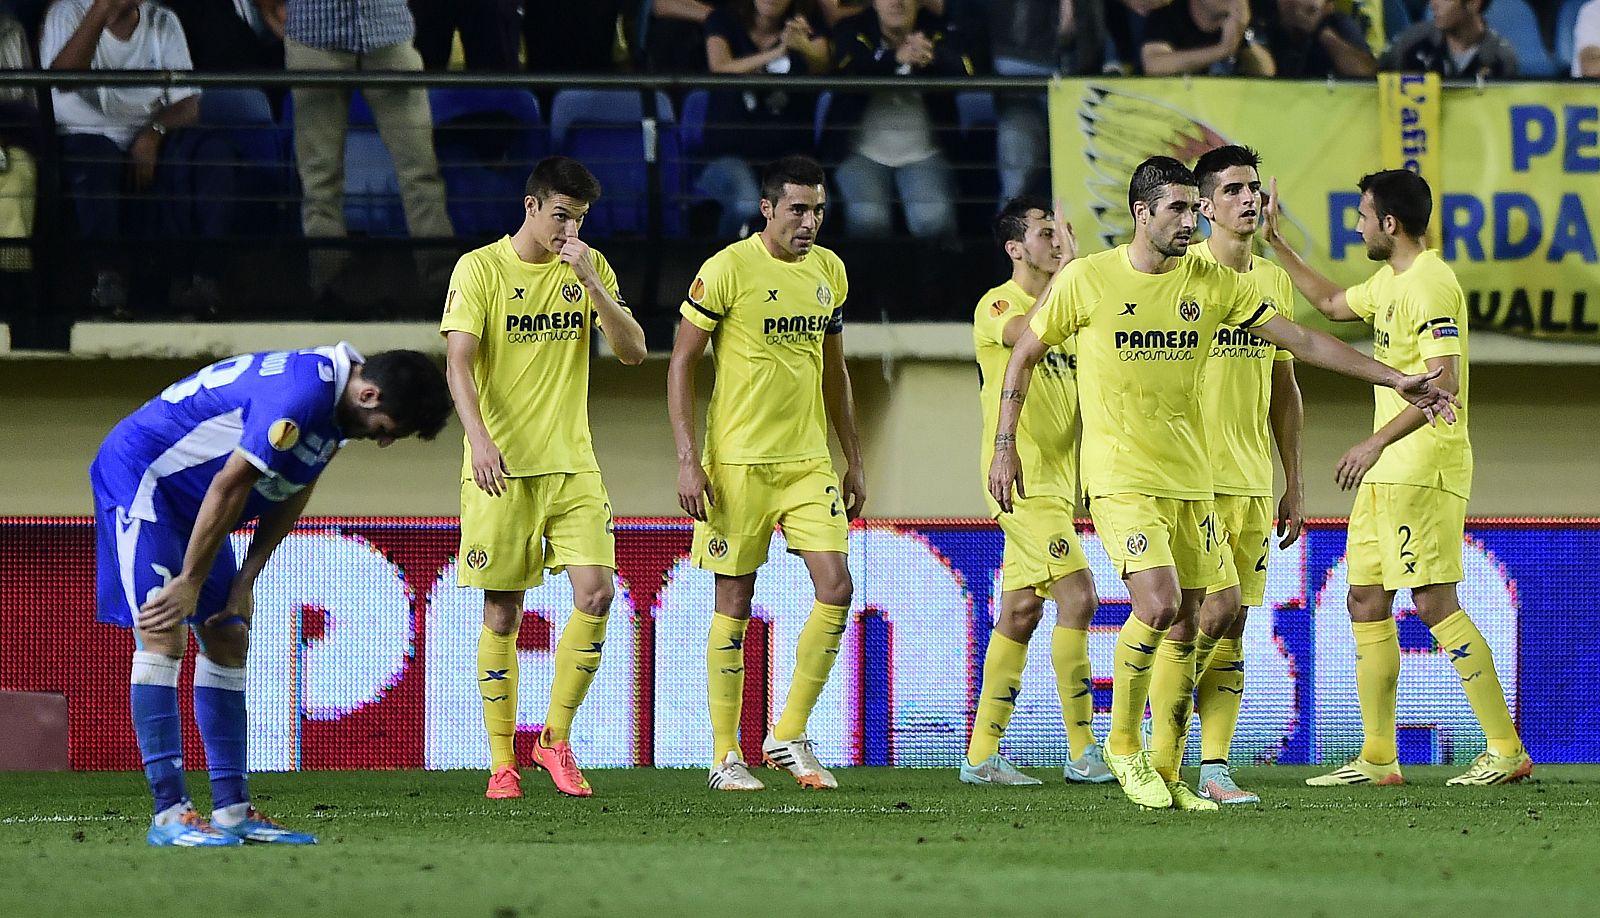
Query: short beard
x=1172 y=249
x=1380 y=251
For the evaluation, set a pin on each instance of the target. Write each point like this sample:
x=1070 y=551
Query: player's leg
x=581 y=542
x=1003 y=662
x=810 y=508
x=1219 y=687
x=1076 y=602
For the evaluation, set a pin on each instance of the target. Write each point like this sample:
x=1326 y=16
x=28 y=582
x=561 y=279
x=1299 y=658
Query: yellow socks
x=725 y=681
x=577 y=660
x=1220 y=689
x=813 y=660
x=1130 y=685
x=1171 y=705
x=1069 y=652
x=1474 y=663
x=997 y=699
x=1377 y=676
x=497 y=685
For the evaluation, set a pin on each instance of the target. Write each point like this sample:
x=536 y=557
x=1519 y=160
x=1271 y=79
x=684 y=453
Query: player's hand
x=142 y=158
x=488 y=467
x=854 y=488
x=1065 y=237
x=241 y=605
x=694 y=490
x=1434 y=402
x=576 y=253
x=1270 y=212
x=1005 y=473
x=1291 y=515
x=170 y=607
x=1356 y=463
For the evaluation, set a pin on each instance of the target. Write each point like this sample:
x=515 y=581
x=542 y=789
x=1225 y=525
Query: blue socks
x=153 y=697
x=224 y=726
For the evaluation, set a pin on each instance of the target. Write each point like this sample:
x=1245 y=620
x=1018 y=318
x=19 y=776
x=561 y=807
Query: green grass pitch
x=890 y=842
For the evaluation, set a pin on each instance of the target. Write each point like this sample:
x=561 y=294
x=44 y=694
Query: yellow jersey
x=767 y=319
x=1047 y=435
x=1143 y=340
x=1415 y=315
x=1238 y=388
x=533 y=325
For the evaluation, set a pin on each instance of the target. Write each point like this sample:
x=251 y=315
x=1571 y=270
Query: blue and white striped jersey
x=277 y=409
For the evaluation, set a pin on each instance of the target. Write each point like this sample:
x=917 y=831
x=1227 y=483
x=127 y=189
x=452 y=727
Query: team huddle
x=1167 y=363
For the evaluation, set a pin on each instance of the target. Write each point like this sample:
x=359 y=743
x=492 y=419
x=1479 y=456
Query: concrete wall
x=1536 y=430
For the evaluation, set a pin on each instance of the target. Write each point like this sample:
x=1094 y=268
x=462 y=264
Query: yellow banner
x=1408 y=128
x=1519 y=193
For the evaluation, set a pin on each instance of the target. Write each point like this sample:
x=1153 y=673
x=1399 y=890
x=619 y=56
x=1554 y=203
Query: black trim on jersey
x=704 y=311
x=1255 y=317
x=1442 y=320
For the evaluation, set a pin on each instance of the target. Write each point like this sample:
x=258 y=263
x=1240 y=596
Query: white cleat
x=995 y=770
x=733 y=775
x=1089 y=768
x=1217 y=785
x=797 y=757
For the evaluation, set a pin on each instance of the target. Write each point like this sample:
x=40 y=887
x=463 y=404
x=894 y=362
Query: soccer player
x=1411 y=480
x=518 y=324
x=1140 y=312
x=1250 y=398
x=243 y=439
x=773 y=304
x=1042 y=559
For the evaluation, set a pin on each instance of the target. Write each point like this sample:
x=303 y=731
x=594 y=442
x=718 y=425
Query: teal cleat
x=1089 y=768
x=995 y=771
x=1217 y=785
x=256 y=829
x=188 y=830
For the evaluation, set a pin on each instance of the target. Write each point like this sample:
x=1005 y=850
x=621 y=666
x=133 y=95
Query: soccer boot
x=733 y=775
x=995 y=770
x=1089 y=768
x=799 y=759
x=188 y=830
x=1216 y=784
x=1187 y=800
x=1360 y=771
x=505 y=783
x=1139 y=779
x=257 y=829
x=1492 y=768
x=557 y=759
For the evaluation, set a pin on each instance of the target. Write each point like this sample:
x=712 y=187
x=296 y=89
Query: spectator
x=675 y=40
x=489 y=32
x=1586 y=42
x=896 y=140
x=836 y=10
x=566 y=37
x=19 y=149
x=1203 y=36
x=757 y=36
x=117 y=138
x=1309 y=38
x=358 y=35
x=1455 y=44
x=227 y=35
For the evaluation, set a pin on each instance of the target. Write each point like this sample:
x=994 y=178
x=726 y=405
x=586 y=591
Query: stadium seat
x=975 y=112
x=487 y=141
x=604 y=129
x=1517 y=24
x=265 y=177
x=372 y=205
x=692 y=124
x=1566 y=24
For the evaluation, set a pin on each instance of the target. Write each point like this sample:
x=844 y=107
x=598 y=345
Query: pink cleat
x=557 y=759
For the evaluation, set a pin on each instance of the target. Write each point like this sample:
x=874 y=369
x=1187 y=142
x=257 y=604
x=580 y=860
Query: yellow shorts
x=1405 y=536
x=540 y=522
x=1247 y=527
x=1141 y=532
x=1041 y=544
x=748 y=500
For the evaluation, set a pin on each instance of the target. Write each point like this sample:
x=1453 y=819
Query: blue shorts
x=134 y=559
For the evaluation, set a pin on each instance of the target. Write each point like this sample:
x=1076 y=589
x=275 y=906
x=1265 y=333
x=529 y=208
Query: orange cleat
x=557 y=759
x=505 y=783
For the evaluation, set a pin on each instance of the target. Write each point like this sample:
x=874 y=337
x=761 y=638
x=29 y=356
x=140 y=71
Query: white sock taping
x=154 y=669
x=208 y=674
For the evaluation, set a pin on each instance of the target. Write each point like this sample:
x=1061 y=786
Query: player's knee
x=1024 y=615
x=502 y=611
x=1076 y=604
x=1160 y=613
x=835 y=588
x=169 y=643
x=594 y=600
x=225 y=645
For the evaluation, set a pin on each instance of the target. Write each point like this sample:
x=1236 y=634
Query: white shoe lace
x=805 y=760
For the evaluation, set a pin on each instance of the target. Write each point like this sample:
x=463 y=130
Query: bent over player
x=243 y=439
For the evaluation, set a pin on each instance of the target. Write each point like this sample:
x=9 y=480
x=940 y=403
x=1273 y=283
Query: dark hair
x=1011 y=224
x=411 y=389
x=1215 y=162
x=562 y=175
x=1152 y=176
x=1403 y=195
x=790 y=170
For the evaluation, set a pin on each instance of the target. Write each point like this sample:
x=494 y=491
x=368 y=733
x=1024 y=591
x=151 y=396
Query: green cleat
x=1139 y=779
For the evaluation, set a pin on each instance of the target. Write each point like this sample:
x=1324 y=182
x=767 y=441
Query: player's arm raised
x=1321 y=349
x=1286 y=413
x=840 y=400
x=1327 y=296
x=219 y=511
x=488 y=465
x=694 y=488
x=1359 y=460
x=623 y=332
